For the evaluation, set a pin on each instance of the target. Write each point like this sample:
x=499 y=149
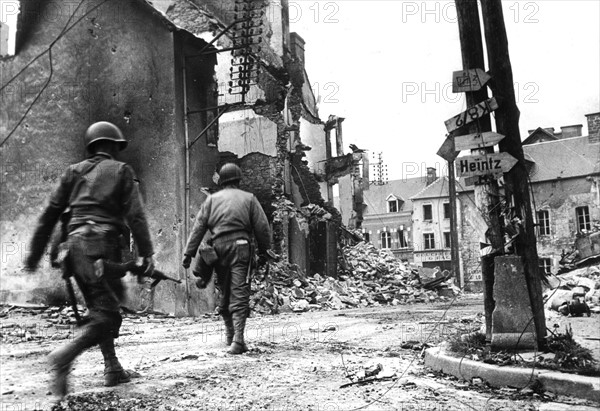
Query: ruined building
x=192 y=84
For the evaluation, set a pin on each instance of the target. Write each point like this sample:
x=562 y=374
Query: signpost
x=469 y=80
x=477 y=140
x=472 y=114
x=480 y=165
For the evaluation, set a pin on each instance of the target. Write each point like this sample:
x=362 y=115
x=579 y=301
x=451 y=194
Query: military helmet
x=103 y=130
x=230 y=172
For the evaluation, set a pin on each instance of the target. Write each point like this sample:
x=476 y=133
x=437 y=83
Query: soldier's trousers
x=103 y=297
x=232 y=273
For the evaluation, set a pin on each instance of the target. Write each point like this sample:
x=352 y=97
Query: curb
x=572 y=385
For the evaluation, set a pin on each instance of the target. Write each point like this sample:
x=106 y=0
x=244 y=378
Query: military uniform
x=232 y=216
x=103 y=197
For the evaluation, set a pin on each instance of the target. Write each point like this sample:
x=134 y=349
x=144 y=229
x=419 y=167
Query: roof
x=439 y=188
x=376 y=196
x=563 y=158
x=539 y=135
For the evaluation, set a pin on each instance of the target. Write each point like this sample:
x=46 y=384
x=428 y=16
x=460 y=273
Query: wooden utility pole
x=517 y=182
x=486 y=193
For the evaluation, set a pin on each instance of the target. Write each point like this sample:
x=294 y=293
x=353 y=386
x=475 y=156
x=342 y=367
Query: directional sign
x=472 y=114
x=469 y=80
x=447 y=150
x=477 y=140
x=492 y=163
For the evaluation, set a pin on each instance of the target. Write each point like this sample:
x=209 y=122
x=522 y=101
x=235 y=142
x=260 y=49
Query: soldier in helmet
x=232 y=216
x=102 y=195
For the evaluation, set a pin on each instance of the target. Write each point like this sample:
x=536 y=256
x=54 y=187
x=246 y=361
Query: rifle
x=112 y=269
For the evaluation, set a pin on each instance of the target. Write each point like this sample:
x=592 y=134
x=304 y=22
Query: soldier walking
x=232 y=216
x=102 y=194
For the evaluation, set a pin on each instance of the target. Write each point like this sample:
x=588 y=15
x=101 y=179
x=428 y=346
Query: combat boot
x=61 y=360
x=229 y=330
x=113 y=371
x=238 y=345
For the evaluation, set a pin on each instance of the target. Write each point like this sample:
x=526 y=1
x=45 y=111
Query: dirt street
x=296 y=362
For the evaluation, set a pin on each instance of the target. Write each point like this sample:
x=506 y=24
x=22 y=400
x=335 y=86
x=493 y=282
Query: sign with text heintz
x=480 y=165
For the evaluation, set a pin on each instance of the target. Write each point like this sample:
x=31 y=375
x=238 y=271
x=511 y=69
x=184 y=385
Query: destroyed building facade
x=274 y=132
x=162 y=73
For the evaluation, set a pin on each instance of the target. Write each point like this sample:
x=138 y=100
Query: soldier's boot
x=238 y=346
x=113 y=371
x=229 y=330
x=61 y=360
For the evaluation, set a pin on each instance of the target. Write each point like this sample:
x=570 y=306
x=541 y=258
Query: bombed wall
x=259 y=178
x=98 y=70
x=560 y=199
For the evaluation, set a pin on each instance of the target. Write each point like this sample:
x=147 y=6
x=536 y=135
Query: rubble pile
x=575 y=292
x=368 y=277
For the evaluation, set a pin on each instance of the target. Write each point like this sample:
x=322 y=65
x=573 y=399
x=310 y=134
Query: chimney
x=431 y=175
x=297 y=46
x=593 y=122
x=571 y=131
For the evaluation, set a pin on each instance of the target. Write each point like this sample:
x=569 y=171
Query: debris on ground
x=59 y=322
x=361 y=375
x=369 y=277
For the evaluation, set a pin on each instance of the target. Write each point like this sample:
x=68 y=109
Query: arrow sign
x=472 y=114
x=480 y=165
x=477 y=140
x=469 y=80
x=447 y=150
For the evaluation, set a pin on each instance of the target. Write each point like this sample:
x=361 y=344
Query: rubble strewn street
x=309 y=361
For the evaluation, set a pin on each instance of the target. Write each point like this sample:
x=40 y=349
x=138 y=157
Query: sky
x=386 y=67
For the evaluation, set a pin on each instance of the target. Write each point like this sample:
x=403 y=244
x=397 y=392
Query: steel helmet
x=103 y=130
x=229 y=173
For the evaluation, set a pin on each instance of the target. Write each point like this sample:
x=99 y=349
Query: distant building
x=387 y=212
x=431 y=225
